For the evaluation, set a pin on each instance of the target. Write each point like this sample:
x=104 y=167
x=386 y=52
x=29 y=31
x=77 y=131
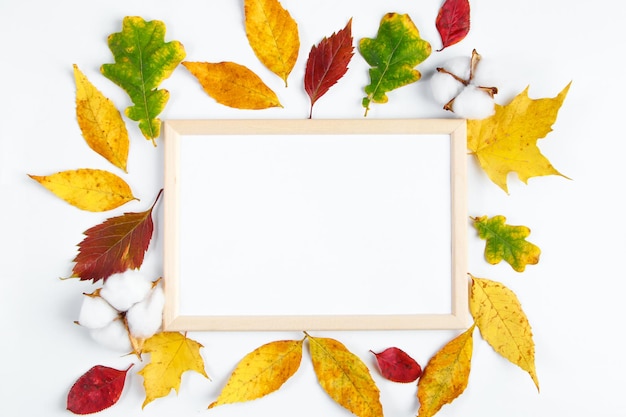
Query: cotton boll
x=444 y=87
x=144 y=318
x=125 y=289
x=473 y=103
x=114 y=336
x=459 y=66
x=95 y=312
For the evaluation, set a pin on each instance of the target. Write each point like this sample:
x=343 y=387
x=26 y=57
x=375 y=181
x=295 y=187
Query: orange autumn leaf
x=446 y=375
x=262 y=372
x=503 y=324
x=233 y=85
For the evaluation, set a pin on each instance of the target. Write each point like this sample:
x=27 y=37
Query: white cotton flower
x=114 y=336
x=444 y=87
x=125 y=289
x=459 y=66
x=96 y=312
x=144 y=318
x=473 y=103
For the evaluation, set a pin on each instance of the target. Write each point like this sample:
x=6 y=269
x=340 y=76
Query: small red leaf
x=397 y=366
x=453 y=21
x=99 y=388
x=327 y=63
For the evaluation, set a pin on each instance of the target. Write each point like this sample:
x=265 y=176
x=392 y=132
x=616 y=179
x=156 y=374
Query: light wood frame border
x=174 y=130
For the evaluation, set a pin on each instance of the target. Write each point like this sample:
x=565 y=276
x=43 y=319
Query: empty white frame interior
x=315 y=224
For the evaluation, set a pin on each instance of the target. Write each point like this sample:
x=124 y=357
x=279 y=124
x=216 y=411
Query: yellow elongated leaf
x=446 y=375
x=233 y=85
x=262 y=372
x=344 y=377
x=88 y=189
x=273 y=35
x=171 y=355
x=503 y=324
x=100 y=122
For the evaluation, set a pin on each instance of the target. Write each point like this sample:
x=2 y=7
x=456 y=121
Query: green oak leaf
x=393 y=56
x=142 y=61
x=505 y=242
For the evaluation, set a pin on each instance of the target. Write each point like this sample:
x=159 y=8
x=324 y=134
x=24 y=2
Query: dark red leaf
x=99 y=388
x=114 y=246
x=397 y=366
x=327 y=63
x=453 y=21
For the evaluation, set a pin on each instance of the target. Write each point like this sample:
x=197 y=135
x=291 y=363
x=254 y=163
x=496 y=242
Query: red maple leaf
x=327 y=63
x=98 y=389
x=397 y=366
x=453 y=21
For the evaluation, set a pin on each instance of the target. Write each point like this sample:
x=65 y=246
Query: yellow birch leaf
x=171 y=355
x=503 y=324
x=507 y=141
x=100 y=122
x=344 y=377
x=233 y=85
x=88 y=189
x=446 y=375
x=262 y=372
x=273 y=35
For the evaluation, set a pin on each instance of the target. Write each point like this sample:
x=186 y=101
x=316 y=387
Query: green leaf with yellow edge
x=393 y=55
x=100 y=122
x=233 y=85
x=171 y=355
x=446 y=375
x=344 y=377
x=262 y=372
x=142 y=61
x=503 y=324
x=506 y=242
x=88 y=189
x=507 y=141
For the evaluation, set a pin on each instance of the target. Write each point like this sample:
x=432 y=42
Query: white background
x=573 y=297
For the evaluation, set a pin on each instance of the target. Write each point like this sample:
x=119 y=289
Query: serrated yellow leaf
x=507 y=141
x=503 y=324
x=273 y=35
x=446 y=375
x=88 y=189
x=100 y=122
x=344 y=377
x=171 y=355
x=233 y=85
x=262 y=372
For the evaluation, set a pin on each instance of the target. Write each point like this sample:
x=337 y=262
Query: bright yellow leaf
x=446 y=375
x=273 y=35
x=100 y=122
x=262 y=372
x=88 y=189
x=503 y=324
x=171 y=354
x=233 y=85
x=507 y=141
x=345 y=377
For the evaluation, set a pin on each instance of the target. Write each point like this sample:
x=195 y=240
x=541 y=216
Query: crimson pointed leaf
x=397 y=366
x=453 y=21
x=98 y=389
x=114 y=246
x=327 y=63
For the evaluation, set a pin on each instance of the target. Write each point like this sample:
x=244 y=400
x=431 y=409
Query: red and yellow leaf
x=96 y=390
x=453 y=22
x=397 y=366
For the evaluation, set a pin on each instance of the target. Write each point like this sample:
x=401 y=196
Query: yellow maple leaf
x=344 y=377
x=233 y=85
x=446 y=375
x=171 y=354
x=88 y=189
x=273 y=35
x=262 y=372
x=503 y=324
x=507 y=141
x=100 y=122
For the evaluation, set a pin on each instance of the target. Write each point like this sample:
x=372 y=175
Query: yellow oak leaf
x=273 y=35
x=262 y=372
x=344 y=377
x=503 y=324
x=446 y=375
x=233 y=85
x=171 y=354
x=100 y=122
x=88 y=189
x=507 y=141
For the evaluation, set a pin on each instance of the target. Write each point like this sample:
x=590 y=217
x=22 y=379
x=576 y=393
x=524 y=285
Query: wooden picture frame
x=186 y=201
